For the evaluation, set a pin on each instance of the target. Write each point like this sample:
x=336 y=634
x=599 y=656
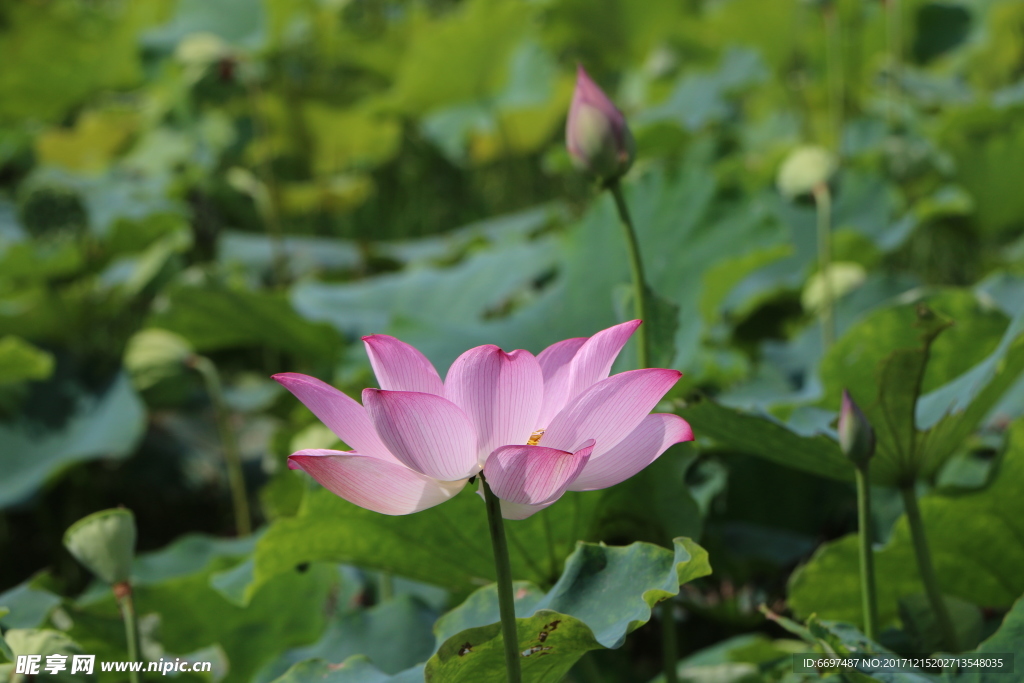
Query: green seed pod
x=805 y=169
x=105 y=543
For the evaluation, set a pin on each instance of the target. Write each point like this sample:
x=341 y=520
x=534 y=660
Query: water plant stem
x=834 y=74
x=123 y=593
x=506 y=601
x=927 y=570
x=869 y=599
x=232 y=455
x=823 y=203
x=668 y=641
x=385 y=587
x=894 y=15
x=636 y=268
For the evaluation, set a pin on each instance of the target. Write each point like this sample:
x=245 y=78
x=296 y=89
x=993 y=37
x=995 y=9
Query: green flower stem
x=506 y=602
x=232 y=456
x=385 y=587
x=894 y=15
x=668 y=641
x=834 y=72
x=823 y=202
x=637 y=269
x=869 y=599
x=927 y=570
x=123 y=592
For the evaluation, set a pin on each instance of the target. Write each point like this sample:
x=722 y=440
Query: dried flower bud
x=856 y=437
x=596 y=134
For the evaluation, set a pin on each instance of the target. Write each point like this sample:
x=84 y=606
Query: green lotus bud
x=105 y=543
x=856 y=437
x=805 y=169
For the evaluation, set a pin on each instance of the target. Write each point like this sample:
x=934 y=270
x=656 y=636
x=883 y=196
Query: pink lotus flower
x=596 y=134
x=535 y=426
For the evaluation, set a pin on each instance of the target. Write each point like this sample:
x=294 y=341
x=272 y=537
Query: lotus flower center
x=535 y=438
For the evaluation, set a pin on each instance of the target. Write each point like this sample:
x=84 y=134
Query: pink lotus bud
x=596 y=133
x=856 y=437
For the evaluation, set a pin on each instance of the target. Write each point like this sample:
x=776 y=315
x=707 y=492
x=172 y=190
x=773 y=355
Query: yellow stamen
x=535 y=438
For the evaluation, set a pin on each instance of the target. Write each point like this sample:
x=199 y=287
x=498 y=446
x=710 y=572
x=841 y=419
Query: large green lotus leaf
x=189 y=554
x=5 y=649
x=604 y=594
x=550 y=644
x=1009 y=639
x=460 y=56
x=767 y=28
x=21 y=361
x=347 y=138
x=977 y=545
x=45 y=642
x=28 y=605
x=614 y=32
x=237 y=21
x=443 y=301
x=943 y=418
x=214 y=319
x=355 y=669
x=97 y=47
x=101 y=426
x=952 y=412
x=767 y=438
x=444 y=311
x=987 y=148
x=898 y=353
x=609 y=588
x=739 y=659
x=854 y=361
x=447 y=545
x=394 y=634
x=174 y=583
x=702 y=99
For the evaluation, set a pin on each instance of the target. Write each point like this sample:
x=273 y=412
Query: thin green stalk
x=869 y=600
x=506 y=601
x=637 y=269
x=823 y=202
x=893 y=38
x=834 y=74
x=927 y=570
x=123 y=591
x=668 y=641
x=385 y=587
x=232 y=455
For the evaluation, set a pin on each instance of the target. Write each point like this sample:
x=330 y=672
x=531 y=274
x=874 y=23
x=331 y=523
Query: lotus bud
x=856 y=437
x=805 y=169
x=596 y=134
